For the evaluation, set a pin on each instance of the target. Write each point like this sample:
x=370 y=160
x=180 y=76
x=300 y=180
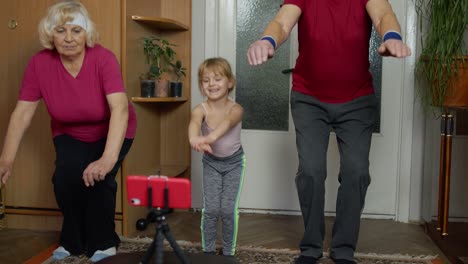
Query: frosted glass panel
x=376 y=70
x=263 y=90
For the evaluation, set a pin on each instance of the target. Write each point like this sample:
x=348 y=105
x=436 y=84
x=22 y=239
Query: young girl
x=219 y=121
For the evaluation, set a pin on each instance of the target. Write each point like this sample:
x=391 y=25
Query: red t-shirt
x=333 y=62
x=77 y=106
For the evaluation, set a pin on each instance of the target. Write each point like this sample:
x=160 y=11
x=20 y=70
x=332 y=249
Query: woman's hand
x=97 y=170
x=5 y=172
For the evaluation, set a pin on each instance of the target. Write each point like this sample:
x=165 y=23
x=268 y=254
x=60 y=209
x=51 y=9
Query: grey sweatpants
x=222 y=186
x=353 y=123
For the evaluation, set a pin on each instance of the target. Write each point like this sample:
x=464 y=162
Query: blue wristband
x=391 y=35
x=271 y=40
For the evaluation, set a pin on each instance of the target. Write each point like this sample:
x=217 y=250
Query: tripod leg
x=159 y=259
x=180 y=254
x=149 y=252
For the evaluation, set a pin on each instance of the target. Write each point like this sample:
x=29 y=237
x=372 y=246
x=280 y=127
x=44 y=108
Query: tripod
x=162 y=231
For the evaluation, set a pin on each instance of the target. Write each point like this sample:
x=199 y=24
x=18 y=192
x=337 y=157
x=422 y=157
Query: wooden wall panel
x=106 y=16
x=461 y=122
x=34 y=222
x=144 y=7
x=47 y=223
x=180 y=10
x=174 y=126
x=30 y=183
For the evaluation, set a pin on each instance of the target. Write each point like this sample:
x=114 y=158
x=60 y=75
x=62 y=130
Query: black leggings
x=88 y=212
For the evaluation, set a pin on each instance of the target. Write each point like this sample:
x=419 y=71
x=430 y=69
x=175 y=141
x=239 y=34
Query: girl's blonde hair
x=218 y=66
x=61 y=13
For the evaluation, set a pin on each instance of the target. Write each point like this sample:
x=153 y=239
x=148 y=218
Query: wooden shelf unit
x=158 y=99
x=161 y=23
x=161 y=143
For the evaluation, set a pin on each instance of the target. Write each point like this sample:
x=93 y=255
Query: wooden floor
x=270 y=231
x=455 y=245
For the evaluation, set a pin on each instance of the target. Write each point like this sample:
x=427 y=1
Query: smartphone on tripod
x=160 y=194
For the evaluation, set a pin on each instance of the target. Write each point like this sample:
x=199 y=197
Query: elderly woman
x=92 y=122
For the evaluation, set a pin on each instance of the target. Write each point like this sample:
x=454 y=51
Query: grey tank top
x=226 y=145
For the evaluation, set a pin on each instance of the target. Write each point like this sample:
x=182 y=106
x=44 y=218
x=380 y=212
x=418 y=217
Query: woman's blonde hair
x=61 y=13
x=218 y=66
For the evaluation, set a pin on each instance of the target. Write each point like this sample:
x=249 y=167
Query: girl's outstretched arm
x=197 y=142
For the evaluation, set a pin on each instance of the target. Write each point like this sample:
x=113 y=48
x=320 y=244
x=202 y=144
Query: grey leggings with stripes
x=222 y=186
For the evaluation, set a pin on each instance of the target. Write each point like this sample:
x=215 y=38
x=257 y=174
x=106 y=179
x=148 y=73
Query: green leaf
x=442 y=24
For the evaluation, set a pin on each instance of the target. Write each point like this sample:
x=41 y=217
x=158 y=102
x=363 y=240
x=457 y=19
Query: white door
x=271 y=154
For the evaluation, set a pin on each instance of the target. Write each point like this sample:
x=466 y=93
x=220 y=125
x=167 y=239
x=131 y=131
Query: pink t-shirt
x=333 y=61
x=77 y=106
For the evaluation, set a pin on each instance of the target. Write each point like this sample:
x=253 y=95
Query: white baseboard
x=298 y=213
x=456 y=219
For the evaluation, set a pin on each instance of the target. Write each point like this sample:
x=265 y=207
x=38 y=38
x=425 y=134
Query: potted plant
x=443 y=61
x=179 y=71
x=159 y=55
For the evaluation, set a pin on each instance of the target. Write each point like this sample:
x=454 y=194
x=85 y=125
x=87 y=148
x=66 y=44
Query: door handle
x=286 y=71
x=12 y=24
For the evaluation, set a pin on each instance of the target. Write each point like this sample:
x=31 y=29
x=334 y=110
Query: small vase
x=162 y=88
x=176 y=89
x=147 y=88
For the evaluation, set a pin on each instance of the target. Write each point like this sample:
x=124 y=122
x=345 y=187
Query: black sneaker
x=344 y=261
x=209 y=253
x=306 y=260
